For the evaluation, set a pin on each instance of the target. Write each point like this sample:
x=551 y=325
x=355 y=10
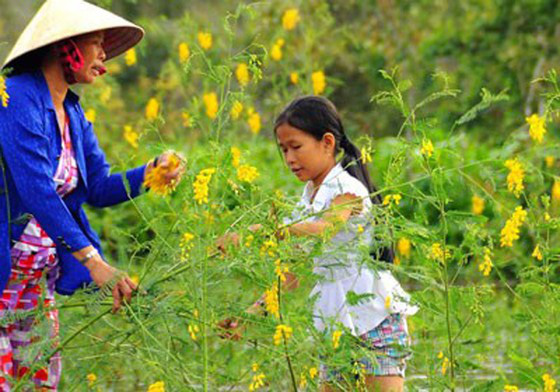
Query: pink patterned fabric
x=30 y=291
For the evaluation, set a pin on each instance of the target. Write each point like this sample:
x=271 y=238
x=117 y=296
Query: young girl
x=337 y=199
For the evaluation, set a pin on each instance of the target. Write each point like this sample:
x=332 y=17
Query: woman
x=52 y=165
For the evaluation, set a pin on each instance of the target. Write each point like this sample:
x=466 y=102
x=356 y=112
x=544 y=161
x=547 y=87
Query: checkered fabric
x=30 y=292
x=389 y=349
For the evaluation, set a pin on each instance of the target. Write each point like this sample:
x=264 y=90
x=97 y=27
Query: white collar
x=323 y=194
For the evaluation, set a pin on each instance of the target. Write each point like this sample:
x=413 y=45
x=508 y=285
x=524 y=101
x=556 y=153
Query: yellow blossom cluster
x=193 y=330
x=486 y=265
x=403 y=246
x=444 y=363
x=247 y=173
x=537 y=254
x=549 y=161
x=510 y=232
x=254 y=121
x=427 y=148
x=336 y=338
x=236 y=110
x=549 y=383
x=156 y=178
x=91 y=379
x=271 y=303
x=187 y=120
x=258 y=378
x=290 y=19
x=157 y=387
x=294 y=77
x=200 y=185
x=303 y=377
x=130 y=57
x=283 y=332
x=537 y=128
x=281 y=270
x=235 y=156
x=365 y=155
x=184 y=52
x=152 y=109
x=478 y=205
x=130 y=136
x=515 y=176
x=276 y=51
x=242 y=74
x=269 y=247
x=186 y=244
x=205 y=40
x=211 y=104
x=393 y=198
x=437 y=253
x=511 y=388
x=319 y=82
x=3 y=92
x=556 y=191
x=91 y=115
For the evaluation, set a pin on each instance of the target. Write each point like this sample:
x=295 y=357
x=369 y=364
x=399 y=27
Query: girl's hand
x=227 y=239
x=102 y=273
x=168 y=160
x=231 y=328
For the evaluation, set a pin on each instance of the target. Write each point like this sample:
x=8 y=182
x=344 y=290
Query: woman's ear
x=329 y=142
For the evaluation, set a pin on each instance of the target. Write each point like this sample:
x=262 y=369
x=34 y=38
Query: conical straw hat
x=60 y=19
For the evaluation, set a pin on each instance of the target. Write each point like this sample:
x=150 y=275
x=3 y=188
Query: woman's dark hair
x=29 y=62
x=317 y=116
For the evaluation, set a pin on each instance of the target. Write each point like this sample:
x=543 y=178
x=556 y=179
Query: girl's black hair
x=317 y=116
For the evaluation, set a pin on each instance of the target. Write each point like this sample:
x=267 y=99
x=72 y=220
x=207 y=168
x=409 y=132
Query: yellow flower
x=205 y=40
x=486 y=266
x=235 y=156
x=282 y=332
x=249 y=240
x=184 y=52
x=135 y=279
x=271 y=301
x=427 y=148
x=365 y=155
x=537 y=254
x=360 y=229
x=290 y=19
x=193 y=330
x=388 y=302
x=200 y=185
x=269 y=247
x=186 y=241
x=511 y=388
x=546 y=217
x=157 y=387
x=549 y=160
x=549 y=383
x=515 y=176
x=437 y=253
x=247 y=173
x=294 y=77
x=258 y=379
x=313 y=372
x=536 y=127
x=444 y=365
x=440 y=355
x=510 y=232
x=389 y=199
x=336 y=339
x=556 y=190
x=281 y=270
x=91 y=115
x=254 y=121
x=242 y=74
x=403 y=246
x=187 y=120
x=319 y=82
x=236 y=110
x=130 y=136
x=152 y=109
x=276 y=51
x=211 y=104
x=130 y=57
x=91 y=378
x=3 y=93
x=156 y=178
x=477 y=205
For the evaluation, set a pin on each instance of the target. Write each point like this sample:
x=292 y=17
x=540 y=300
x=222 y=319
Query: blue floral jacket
x=31 y=145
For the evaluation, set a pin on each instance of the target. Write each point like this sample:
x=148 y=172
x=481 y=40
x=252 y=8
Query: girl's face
x=91 y=46
x=308 y=158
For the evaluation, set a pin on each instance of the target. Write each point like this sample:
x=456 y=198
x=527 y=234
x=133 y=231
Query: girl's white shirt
x=341 y=266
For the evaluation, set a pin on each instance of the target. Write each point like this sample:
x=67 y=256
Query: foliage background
x=496 y=330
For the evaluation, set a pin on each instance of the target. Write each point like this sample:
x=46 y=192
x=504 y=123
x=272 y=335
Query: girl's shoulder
x=345 y=183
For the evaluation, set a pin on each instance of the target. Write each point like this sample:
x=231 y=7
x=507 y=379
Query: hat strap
x=70 y=58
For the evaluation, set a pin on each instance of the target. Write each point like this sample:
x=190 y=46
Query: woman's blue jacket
x=31 y=144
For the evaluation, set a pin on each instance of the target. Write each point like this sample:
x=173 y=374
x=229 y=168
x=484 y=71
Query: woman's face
x=91 y=46
x=308 y=158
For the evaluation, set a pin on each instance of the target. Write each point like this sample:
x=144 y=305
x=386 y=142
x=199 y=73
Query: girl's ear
x=329 y=142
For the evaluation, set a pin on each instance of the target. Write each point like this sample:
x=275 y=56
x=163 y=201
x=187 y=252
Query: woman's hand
x=166 y=161
x=227 y=239
x=102 y=273
x=231 y=329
